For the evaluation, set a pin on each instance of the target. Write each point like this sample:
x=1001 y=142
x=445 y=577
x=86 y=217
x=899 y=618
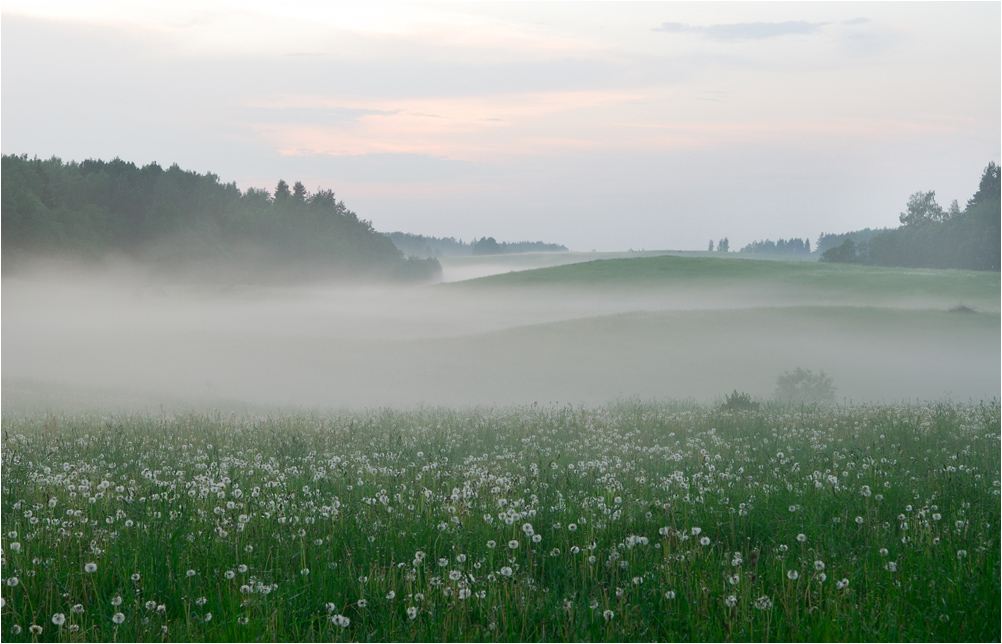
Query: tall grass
x=628 y=522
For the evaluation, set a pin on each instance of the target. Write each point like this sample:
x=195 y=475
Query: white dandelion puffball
x=90 y=567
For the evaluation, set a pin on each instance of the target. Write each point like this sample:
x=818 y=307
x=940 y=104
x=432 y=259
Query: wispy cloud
x=745 y=30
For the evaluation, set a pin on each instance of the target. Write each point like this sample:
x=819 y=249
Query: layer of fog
x=122 y=340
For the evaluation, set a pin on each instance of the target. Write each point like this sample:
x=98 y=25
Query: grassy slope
x=980 y=289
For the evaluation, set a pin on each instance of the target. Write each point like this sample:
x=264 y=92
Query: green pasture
x=814 y=280
x=629 y=522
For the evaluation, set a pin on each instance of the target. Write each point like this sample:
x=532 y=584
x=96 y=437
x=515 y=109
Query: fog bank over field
x=114 y=340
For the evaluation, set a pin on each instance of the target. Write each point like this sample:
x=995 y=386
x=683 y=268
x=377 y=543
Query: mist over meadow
x=122 y=337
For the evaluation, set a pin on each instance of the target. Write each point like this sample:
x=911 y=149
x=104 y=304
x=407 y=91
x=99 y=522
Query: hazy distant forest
x=930 y=237
x=181 y=219
x=185 y=220
x=423 y=246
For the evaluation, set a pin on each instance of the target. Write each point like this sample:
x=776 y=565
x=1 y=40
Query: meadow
x=656 y=327
x=631 y=521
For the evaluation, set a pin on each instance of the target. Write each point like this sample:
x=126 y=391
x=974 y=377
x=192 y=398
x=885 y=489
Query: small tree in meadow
x=803 y=386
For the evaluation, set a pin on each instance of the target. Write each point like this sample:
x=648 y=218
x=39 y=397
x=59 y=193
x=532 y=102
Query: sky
x=605 y=126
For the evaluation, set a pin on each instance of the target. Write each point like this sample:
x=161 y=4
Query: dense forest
x=186 y=221
x=831 y=240
x=793 y=246
x=931 y=237
x=422 y=246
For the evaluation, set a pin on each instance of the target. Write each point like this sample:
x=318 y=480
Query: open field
x=129 y=516
x=660 y=327
x=630 y=522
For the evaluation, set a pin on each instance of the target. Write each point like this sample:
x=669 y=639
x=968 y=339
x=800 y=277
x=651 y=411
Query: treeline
x=421 y=246
x=830 y=240
x=173 y=218
x=931 y=237
x=793 y=246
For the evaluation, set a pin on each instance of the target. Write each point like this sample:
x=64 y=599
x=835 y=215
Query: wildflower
x=464 y=593
x=696 y=531
x=536 y=538
x=819 y=565
x=12 y=582
x=891 y=566
x=362 y=603
x=16 y=547
x=243 y=621
x=506 y=571
x=731 y=601
x=229 y=574
x=90 y=567
x=242 y=568
x=783 y=548
x=492 y=544
x=763 y=603
x=513 y=544
x=443 y=562
x=705 y=541
x=669 y=594
x=135 y=576
x=304 y=572
x=734 y=579
x=59 y=619
x=208 y=617
x=883 y=552
x=118 y=618
x=793 y=508
x=792 y=575
x=865 y=491
x=190 y=573
x=859 y=520
x=572 y=527
x=340 y=620
x=801 y=537
x=822 y=577
x=455 y=575
x=150 y=605
x=608 y=614
x=961 y=554
x=35 y=629
x=842 y=583
x=116 y=600
x=527 y=529
x=412 y=612
x=555 y=552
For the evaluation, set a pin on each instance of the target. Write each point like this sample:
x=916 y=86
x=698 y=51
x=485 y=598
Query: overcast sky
x=599 y=126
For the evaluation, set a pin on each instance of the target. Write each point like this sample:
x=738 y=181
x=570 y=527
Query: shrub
x=803 y=386
x=738 y=401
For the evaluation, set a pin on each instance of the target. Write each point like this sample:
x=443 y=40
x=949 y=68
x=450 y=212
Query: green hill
x=798 y=282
